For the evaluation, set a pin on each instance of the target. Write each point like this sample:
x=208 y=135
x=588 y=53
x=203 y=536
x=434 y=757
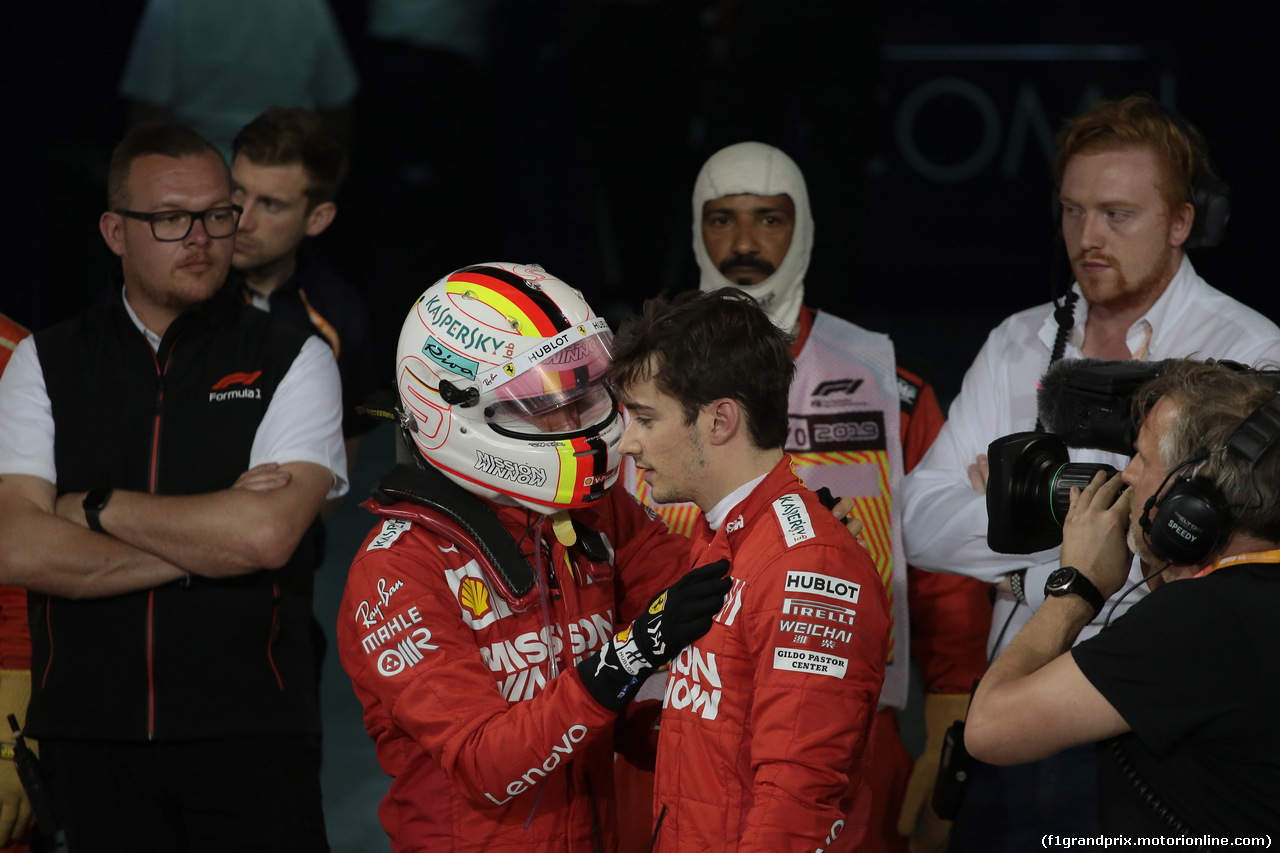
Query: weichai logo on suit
x=226 y=387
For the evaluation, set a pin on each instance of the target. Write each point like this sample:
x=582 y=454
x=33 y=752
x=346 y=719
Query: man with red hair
x=1136 y=190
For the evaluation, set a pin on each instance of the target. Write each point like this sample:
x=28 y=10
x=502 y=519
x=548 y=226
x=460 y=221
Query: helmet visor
x=556 y=388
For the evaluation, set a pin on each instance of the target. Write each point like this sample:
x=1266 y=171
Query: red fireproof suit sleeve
x=448 y=702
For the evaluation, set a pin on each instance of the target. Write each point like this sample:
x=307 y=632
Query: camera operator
x=1127 y=173
x=1186 y=682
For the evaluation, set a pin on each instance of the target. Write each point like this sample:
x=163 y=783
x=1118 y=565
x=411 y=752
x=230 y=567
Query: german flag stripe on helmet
x=599 y=465
x=583 y=464
x=537 y=314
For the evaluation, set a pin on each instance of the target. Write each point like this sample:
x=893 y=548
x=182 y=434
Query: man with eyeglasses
x=163 y=458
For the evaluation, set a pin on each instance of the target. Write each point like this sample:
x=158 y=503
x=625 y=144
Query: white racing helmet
x=501 y=375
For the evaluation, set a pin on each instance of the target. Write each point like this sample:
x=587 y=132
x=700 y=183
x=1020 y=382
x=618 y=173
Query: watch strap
x=1080 y=585
x=95 y=500
x=1017 y=583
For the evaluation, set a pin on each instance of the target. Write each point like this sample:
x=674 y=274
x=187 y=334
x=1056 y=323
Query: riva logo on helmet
x=454 y=327
x=516 y=472
x=450 y=360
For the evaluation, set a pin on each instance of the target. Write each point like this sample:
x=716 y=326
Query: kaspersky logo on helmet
x=224 y=388
x=525 y=414
x=466 y=331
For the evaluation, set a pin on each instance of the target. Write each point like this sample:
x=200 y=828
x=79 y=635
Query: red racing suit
x=487 y=748
x=950 y=618
x=766 y=717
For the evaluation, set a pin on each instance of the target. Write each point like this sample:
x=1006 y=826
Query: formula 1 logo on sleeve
x=794 y=518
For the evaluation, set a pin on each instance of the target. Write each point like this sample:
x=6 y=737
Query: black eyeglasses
x=170 y=226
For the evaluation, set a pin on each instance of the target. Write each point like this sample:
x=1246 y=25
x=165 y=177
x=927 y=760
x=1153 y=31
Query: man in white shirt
x=163 y=457
x=1125 y=170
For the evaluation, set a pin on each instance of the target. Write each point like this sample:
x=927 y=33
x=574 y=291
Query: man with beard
x=857 y=420
x=1125 y=170
x=1186 y=683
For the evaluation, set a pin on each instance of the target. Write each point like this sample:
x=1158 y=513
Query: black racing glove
x=673 y=620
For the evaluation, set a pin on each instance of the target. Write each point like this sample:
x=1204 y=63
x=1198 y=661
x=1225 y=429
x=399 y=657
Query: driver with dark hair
x=766 y=718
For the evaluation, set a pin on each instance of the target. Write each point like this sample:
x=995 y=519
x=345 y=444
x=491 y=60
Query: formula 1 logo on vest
x=223 y=390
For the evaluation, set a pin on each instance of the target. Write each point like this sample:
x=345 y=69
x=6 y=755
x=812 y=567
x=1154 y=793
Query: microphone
x=1088 y=402
x=1060 y=406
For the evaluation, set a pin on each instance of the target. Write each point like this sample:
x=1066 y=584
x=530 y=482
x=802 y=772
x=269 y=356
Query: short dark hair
x=700 y=347
x=1212 y=401
x=163 y=138
x=1139 y=122
x=282 y=136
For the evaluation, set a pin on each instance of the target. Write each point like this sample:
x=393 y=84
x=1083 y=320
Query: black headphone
x=1210 y=195
x=1192 y=517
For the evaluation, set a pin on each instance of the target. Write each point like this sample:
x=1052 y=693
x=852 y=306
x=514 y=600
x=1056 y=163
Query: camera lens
x=1068 y=475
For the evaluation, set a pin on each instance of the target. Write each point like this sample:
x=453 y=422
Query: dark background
x=924 y=130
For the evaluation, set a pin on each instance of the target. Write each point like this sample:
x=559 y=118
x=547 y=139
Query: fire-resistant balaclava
x=759 y=169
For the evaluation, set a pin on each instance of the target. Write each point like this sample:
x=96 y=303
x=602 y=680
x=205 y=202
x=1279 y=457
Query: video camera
x=1083 y=403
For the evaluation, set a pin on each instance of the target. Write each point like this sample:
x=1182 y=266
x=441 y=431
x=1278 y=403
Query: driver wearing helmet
x=509 y=603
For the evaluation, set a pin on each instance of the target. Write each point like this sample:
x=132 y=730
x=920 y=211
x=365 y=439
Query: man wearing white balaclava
x=752 y=229
x=753 y=168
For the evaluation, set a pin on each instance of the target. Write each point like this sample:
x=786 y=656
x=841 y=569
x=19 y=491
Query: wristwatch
x=1070 y=581
x=95 y=501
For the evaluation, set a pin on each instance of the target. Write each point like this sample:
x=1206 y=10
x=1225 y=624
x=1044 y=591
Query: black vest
x=197 y=659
